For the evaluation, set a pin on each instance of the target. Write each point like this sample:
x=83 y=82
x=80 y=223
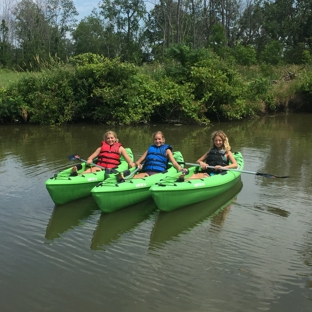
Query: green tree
x=61 y=16
x=125 y=16
x=89 y=36
x=289 y=22
x=4 y=44
x=41 y=30
x=244 y=55
x=218 y=40
x=272 y=53
x=31 y=32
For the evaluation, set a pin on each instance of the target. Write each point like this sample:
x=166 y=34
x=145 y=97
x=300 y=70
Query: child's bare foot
x=180 y=178
x=120 y=177
x=74 y=171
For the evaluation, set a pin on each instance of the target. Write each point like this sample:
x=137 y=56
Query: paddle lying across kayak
x=112 y=195
x=64 y=188
x=170 y=194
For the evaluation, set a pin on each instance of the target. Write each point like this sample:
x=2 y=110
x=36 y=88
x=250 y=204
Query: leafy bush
x=244 y=55
x=10 y=107
x=272 y=53
x=53 y=101
x=46 y=98
x=175 y=103
x=192 y=86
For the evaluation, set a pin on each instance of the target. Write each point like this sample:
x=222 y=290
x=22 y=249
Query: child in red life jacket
x=156 y=157
x=108 y=154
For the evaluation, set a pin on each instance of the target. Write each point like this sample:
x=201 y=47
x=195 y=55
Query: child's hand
x=184 y=171
x=203 y=165
x=139 y=166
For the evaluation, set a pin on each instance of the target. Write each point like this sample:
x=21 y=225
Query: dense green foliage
x=194 y=86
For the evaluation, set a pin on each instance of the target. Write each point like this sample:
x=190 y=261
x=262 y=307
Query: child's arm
x=174 y=162
x=142 y=158
x=95 y=154
x=124 y=153
x=201 y=161
x=232 y=160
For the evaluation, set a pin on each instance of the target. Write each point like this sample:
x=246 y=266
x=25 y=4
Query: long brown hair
x=226 y=145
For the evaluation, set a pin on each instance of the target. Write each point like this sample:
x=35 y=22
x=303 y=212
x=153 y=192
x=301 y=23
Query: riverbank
x=91 y=88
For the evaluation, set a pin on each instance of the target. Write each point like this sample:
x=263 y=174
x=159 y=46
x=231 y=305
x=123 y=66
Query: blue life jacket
x=156 y=159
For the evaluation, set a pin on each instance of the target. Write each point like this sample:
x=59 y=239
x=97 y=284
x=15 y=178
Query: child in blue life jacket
x=108 y=155
x=219 y=155
x=156 y=157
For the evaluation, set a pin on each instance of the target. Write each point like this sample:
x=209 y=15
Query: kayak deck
x=112 y=195
x=64 y=188
x=170 y=194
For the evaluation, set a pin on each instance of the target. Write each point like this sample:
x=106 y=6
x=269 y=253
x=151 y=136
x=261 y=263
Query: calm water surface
x=249 y=249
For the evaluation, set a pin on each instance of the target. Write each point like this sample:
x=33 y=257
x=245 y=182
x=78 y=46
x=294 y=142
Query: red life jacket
x=109 y=156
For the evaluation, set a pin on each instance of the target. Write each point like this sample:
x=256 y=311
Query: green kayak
x=63 y=188
x=111 y=195
x=170 y=195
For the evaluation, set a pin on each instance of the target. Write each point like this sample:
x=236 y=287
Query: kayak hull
x=63 y=188
x=114 y=196
x=170 y=195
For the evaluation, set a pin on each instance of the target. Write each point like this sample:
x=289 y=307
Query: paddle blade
x=271 y=176
x=73 y=157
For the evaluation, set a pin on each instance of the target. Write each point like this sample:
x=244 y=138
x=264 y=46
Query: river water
x=246 y=250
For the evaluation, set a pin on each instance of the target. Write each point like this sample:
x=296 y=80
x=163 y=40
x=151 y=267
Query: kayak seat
x=180 y=179
x=126 y=172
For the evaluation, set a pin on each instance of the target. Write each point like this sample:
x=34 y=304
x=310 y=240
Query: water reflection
x=36 y=146
x=259 y=252
x=169 y=225
x=68 y=216
x=274 y=210
x=113 y=225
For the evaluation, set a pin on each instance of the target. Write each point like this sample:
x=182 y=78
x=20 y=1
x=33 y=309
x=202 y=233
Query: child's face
x=110 y=139
x=158 y=140
x=218 y=142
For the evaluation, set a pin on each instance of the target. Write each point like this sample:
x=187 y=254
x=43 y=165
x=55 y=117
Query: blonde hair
x=162 y=135
x=226 y=145
x=110 y=132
